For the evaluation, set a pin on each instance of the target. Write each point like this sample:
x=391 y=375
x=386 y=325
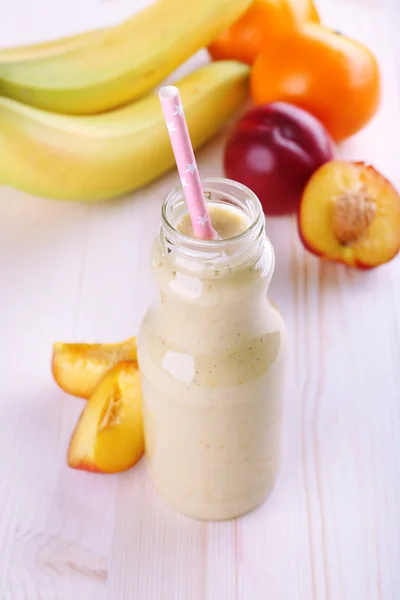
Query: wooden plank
x=330 y=528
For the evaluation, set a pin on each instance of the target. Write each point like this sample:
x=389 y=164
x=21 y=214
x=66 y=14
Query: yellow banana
x=104 y=69
x=101 y=156
x=35 y=52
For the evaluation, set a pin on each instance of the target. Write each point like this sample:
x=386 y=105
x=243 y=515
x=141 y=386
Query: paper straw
x=186 y=162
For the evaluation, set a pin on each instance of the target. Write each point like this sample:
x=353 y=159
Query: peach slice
x=109 y=435
x=350 y=213
x=78 y=368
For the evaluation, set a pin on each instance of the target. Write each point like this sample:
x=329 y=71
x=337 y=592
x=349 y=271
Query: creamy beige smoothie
x=212 y=358
x=228 y=221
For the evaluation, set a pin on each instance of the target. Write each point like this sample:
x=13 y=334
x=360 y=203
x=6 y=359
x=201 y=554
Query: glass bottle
x=212 y=354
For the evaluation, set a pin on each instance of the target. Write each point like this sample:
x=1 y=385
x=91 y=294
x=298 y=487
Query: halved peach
x=350 y=213
x=109 y=435
x=78 y=368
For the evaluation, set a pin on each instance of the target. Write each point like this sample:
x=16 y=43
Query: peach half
x=109 y=435
x=349 y=213
x=78 y=368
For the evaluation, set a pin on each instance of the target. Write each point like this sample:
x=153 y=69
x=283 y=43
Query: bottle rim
x=252 y=207
x=238 y=251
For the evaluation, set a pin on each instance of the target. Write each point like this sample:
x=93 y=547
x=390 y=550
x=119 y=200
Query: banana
x=102 y=156
x=101 y=70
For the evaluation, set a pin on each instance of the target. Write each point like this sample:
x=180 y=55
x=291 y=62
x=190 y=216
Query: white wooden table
x=331 y=529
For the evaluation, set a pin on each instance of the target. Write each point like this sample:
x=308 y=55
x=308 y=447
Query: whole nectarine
x=274 y=149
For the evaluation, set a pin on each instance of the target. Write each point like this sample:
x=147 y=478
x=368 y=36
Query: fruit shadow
x=296 y=267
x=319 y=300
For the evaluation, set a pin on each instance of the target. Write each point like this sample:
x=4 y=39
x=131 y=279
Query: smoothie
x=212 y=358
x=228 y=221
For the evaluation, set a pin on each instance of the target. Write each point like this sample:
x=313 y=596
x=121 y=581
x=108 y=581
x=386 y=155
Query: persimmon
x=304 y=10
x=332 y=76
x=262 y=23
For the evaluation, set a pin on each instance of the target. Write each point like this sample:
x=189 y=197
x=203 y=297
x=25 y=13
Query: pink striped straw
x=186 y=162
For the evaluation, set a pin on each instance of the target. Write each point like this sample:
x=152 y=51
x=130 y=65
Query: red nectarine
x=274 y=149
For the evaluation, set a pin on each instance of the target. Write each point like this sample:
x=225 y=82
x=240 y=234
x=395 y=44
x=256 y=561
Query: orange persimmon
x=262 y=23
x=333 y=77
x=304 y=10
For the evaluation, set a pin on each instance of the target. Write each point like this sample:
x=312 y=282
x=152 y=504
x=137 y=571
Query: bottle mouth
x=227 y=254
x=216 y=190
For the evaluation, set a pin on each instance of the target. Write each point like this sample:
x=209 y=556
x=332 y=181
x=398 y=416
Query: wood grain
x=331 y=528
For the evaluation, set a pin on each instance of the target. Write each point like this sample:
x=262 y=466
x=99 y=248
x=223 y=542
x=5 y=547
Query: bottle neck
x=237 y=252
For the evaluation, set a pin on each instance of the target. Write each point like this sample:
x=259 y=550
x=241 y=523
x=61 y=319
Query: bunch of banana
x=101 y=156
x=53 y=141
x=101 y=70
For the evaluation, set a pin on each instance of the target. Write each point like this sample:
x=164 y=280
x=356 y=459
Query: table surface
x=331 y=528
